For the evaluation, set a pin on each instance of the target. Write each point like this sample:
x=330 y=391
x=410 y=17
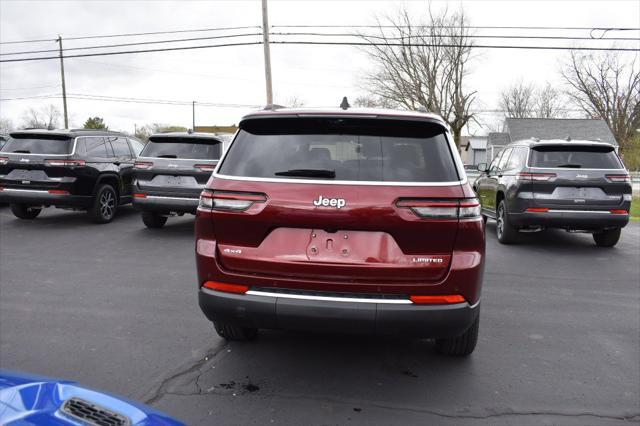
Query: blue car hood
x=28 y=399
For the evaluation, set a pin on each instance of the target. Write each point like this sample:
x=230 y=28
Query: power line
x=133 y=44
x=135 y=34
x=478 y=46
x=166 y=49
x=28 y=88
x=88 y=97
x=409 y=36
x=477 y=27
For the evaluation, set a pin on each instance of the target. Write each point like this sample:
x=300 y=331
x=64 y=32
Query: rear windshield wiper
x=22 y=151
x=318 y=173
x=570 y=165
x=167 y=156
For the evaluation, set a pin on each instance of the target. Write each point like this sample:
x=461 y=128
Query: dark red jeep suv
x=342 y=220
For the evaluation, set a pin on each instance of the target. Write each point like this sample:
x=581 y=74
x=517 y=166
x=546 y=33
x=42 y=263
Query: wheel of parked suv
x=506 y=232
x=153 y=220
x=607 y=238
x=462 y=345
x=234 y=332
x=22 y=211
x=104 y=205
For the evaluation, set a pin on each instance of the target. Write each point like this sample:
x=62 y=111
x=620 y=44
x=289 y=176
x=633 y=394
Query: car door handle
x=117 y=163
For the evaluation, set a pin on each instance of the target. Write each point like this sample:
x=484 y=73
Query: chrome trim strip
x=170 y=198
x=39 y=191
x=475 y=304
x=328 y=299
x=580 y=211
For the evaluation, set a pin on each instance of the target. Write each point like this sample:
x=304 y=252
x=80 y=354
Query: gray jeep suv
x=580 y=186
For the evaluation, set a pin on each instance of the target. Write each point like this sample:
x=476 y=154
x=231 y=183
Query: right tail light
x=443 y=209
x=618 y=178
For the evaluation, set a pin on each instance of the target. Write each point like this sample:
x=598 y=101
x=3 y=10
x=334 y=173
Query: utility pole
x=64 y=87
x=267 y=52
x=193 y=115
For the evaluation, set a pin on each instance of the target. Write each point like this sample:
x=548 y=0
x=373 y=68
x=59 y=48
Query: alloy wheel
x=500 y=221
x=107 y=204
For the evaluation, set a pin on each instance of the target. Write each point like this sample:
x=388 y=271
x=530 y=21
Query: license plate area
x=27 y=175
x=581 y=195
x=174 y=181
x=349 y=255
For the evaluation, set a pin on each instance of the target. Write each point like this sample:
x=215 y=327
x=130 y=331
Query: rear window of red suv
x=341 y=149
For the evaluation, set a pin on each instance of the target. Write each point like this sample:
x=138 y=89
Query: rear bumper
x=42 y=198
x=279 y=312
x=570 y=219
x=177 y=203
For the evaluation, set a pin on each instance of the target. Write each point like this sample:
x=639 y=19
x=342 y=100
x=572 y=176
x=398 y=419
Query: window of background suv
x=185 y=148
x=136 y=145
x=518 y=158
x=120 y=147
x=345 y=149
x=39 y=144
x=504 y=159
x=94 y=147
x=577 y=157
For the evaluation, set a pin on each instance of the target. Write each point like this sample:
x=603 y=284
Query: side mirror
x=482 y=167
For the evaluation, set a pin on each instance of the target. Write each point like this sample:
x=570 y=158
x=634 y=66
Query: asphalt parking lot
x=114 y=307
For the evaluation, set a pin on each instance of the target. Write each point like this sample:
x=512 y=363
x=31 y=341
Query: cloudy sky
x=316 y=75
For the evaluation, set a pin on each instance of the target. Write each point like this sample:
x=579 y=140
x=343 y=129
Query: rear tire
x=233 y=332
x=462 y=345
x=104 y=206
x=23 y=211
x=505 y=231
x=607 y=238
x=153 y=220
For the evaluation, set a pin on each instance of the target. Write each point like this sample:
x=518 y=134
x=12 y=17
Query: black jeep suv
x=75 y=169
x=171 y=173
x=580 y=186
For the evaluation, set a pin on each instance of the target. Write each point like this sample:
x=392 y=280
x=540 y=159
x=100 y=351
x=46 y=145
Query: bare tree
x=549 y=102
x=518 y=100
x=294 y=102
x=6 y=125
x=373 y=102
x=423 y=64
x=522 y=100
x=47 y=117
x=605 y=87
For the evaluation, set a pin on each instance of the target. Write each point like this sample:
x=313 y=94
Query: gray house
x=475 y=152
x=515 y=129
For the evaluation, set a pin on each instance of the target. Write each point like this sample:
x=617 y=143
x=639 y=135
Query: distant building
x=474 y=151
x=216 y=129
x=515 y=129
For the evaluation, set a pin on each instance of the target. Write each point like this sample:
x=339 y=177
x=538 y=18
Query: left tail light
x=63 y=163
x=539 y=177
x=205 y=167
x=229 y=201
x=4 y=160
x=443 y=209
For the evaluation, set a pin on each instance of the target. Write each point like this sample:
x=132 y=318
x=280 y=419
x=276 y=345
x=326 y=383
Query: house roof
x=555 y=128
x=478 y=143
x=498 y=139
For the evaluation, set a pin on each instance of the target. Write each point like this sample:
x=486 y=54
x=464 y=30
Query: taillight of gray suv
x=580 y=186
